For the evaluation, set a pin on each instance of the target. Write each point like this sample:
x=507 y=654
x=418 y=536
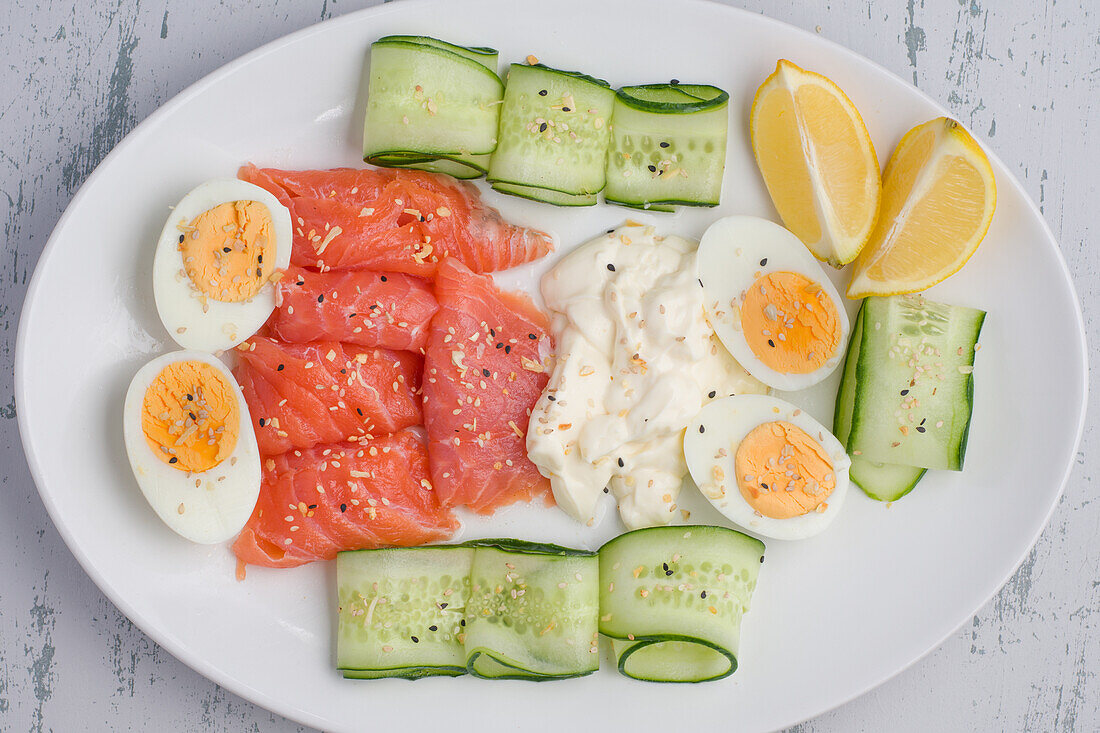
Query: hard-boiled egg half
x=189 y=438
x=215 y=260
x=770 y=302
x=767 y=466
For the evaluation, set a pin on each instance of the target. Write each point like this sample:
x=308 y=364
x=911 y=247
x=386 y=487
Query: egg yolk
x=190 y=416
x=782 y=472
x=790 y=323
x=225 y=250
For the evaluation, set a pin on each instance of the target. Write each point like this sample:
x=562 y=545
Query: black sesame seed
x=343 y=371
x=173 y=459
x=493 y=332
x=904 y=392
x=610 y=231
x=261 y=422
x=621 y=463
x=713 y=394
x=771 y=343
x=507 y=349
x=280 y=367
x=384 y=278
x=343 y=507
x=764 y=486
x=664 y=144
x=566 y=109
x=300 y=283
x=500 y=345
x=611 y=267
x=312 y=506
x=360 y=411
x=674 y=81
x=652 y=168
x=461 y=621
x=552 y=398
x=606 y=490
x=533 y=337
x=703 y=594
x=260 y=259
x=181 y=239
x=700 y=282
x=321 y=298
x=763 y=261
x=665 y=566
x=923 y=421
x=702 y=429
x=485 y=372
x=542 y=127
x=761 y=559
x=192 y=416
x=415 y=640
x=668 y=572
x=190 y=398
x=921 y=429
x=433 y=627
x=542 y=92
x=227 y=249
x=442 y=606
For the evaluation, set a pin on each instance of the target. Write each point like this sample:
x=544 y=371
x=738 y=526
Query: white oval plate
x=833 y=616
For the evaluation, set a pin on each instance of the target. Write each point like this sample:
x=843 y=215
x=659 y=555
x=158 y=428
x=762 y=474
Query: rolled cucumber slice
x=429 y=100
x=914 y=382
x=668 y=146
x=554 y=131
x=880 y=481
x=672 y=600
x=401 y=611
x=532 y=612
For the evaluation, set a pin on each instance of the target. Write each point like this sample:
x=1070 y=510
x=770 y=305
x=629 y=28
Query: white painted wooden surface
x=78 y=74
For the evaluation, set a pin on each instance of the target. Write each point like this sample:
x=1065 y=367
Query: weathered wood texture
x=78 y=75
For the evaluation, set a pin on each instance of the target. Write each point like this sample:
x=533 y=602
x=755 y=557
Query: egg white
x=223 y=325
x=218 y=508
x=726 y=422
x=729 y=261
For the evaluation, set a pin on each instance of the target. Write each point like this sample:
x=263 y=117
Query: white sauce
x=636 y=361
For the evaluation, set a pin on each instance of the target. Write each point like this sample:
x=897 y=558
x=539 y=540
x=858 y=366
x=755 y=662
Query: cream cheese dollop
x=635 y=362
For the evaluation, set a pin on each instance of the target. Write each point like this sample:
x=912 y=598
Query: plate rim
x=261 y=698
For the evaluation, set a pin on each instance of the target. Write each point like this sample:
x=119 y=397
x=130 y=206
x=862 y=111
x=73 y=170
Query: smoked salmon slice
x=300 y=395
x=484 y=369
x=394 y=220
x=319 y=501
x=383 y=309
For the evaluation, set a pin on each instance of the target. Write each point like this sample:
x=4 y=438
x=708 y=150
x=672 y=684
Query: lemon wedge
x=818 y=161
x=938 y=197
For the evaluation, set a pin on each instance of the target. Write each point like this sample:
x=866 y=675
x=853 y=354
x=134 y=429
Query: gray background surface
x=78 y=75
